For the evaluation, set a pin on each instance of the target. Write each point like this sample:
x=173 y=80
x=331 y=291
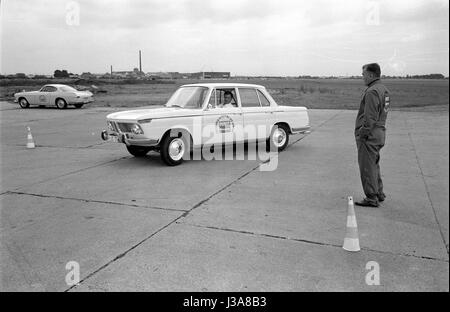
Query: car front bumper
x=303 y=130
x=128 y=139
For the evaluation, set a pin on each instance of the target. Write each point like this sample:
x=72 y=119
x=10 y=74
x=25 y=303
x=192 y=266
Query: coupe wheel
x=173 y=150
x=279 y=138
x=138 y=151
x=61 y=103
x=24 y=103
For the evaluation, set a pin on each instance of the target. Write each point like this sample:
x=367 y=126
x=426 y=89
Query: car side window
x=249 y=97
x=51 y=89
x=44 y=89
x=262 y=98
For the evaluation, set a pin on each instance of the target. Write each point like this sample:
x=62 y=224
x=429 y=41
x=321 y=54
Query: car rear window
x=249 y=98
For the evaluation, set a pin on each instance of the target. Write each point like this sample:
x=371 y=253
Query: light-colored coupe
x=196 y=116
x=58 y=95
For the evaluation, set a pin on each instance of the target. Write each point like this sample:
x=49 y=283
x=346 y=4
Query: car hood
x=25 y=92
x=150 y=113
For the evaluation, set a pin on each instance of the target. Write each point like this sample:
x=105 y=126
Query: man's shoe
x=381 y=197
x=367 y=203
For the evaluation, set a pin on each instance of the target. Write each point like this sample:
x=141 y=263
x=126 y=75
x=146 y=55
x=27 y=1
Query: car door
x=42 y=96
x=52 y=94
x=221 y=124
x=258 y=119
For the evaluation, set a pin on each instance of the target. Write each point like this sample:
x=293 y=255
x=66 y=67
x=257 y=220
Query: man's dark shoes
x=381 y=197
x=367 y=203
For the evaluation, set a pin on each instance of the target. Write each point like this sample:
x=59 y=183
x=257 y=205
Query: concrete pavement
x=135 y=224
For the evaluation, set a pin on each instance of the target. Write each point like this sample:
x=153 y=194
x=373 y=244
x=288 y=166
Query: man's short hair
x=228 y=93
x=373 y=68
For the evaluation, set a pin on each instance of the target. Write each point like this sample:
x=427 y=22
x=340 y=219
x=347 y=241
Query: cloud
x=247 y=36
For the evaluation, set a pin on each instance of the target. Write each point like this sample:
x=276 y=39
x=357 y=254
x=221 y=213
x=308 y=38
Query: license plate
x=114 y=139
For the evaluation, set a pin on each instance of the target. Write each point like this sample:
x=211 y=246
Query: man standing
x=370 y=133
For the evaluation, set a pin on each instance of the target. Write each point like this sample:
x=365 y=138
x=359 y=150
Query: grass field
x=321 y=93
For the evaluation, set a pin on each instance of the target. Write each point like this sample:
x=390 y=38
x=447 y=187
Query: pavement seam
x=427 y=190
x=123 y=254
x=93 y=201
x=72 y=172
x=309 y=241
x=185 y=214
x=53 y=146
x=319 y=126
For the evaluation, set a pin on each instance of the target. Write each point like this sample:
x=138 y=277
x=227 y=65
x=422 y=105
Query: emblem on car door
x=225 y=124
x=42 y=98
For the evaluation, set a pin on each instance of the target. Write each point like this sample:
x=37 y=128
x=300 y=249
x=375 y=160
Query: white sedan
x=58 y=95
x=199 y=115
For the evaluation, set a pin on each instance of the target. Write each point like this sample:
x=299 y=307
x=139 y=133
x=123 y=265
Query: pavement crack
x=185 y=214
x=123 y=254
x=59 y=147
x=93 y=201
x=72 y=172
x=306 y=241
x=427 y=190
x=317 y=127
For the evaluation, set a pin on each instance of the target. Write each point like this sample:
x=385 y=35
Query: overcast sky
x=245 y=37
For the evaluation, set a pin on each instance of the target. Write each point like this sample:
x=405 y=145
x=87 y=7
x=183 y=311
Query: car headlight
x=136 y=129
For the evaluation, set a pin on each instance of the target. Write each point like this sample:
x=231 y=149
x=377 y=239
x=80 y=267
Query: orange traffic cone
x=30 y=142
x=351 y=240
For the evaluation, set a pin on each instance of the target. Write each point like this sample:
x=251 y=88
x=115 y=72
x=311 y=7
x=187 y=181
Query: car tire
x=61 y=103
x=78 y=105
x=138 y=151
x=24 y=103
x=279 y=138
x=173 y=150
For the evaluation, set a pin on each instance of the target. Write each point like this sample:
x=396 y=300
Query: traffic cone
x=351 y=240
x=30 y=142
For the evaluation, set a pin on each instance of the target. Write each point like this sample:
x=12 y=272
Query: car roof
x=223 y=85
x=56 y=85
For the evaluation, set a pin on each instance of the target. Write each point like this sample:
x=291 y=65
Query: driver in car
x=228 y=100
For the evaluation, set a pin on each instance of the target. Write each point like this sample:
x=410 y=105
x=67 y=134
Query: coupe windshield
x=188 y=97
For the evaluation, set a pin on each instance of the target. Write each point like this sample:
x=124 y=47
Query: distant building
x=216 y=75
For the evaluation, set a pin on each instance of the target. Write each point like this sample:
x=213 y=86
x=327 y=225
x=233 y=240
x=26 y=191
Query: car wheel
x=78 y=105
x=279 y=138
x=173 y=150
x=138 y=151
x=24 y=103
x=61 y=103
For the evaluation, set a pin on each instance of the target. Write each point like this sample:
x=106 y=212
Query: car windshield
x=67 y=89
x=188 y=97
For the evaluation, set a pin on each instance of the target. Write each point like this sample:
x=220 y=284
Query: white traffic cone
x=351 y=240
x=30 y=142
